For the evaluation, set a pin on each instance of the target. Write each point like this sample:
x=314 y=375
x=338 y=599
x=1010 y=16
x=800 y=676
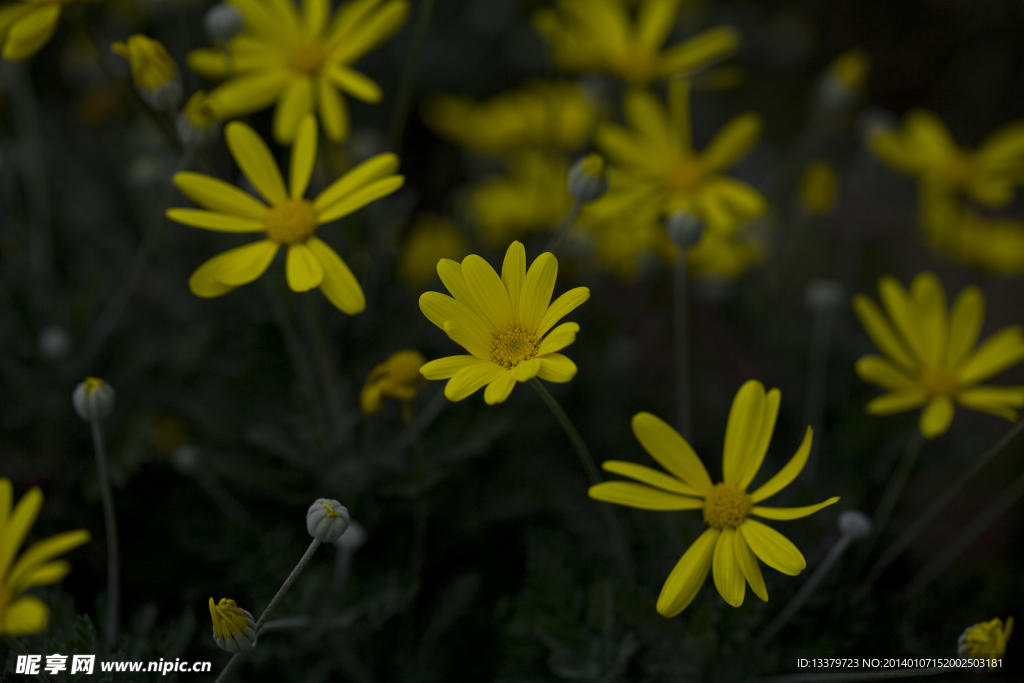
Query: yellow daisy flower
x=25 y=27
x=598 y=35
x=398 y=377
x=290 y=220
x=301 y=60
x=502 y=322
x=733 y=542
x=987 y=639
x=924 y=148
x=930 y=355
x=25 y=615
x=991 y=243
x=655 y=171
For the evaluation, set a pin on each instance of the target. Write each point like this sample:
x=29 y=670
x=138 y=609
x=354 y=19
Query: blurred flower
x=843 y=82
x=153 y=71
x=588 y=179
x=430 y=239
x=197 y=124
x=289 y=221
x=25 y=27
x=326 y=520
x=727 y=256
x=301 y=60
x=733 y=542
x=655 y=171
x=502 y=322
x=818 y=188
x=28 y=614
x=93 y=399
x=533 y=195
x=233 y=627
x=931 y=356
x=987 y=639
x=398 y=377
x=539 y=114
x=994 y=244
x=924 y=148
x=598 y=35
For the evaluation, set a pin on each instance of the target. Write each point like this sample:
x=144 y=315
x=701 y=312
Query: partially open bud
x=684 y=229
x=842 y=83
x=223 y=22
x=196 y=124
x=588 y=179
x=234 y=629
x=986 y=639
x=153 y=71
x=93 y=399
x=327 y=520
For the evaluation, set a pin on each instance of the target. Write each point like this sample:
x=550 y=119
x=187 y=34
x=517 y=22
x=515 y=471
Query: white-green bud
x=223 y=22
x=588 y=179
x=327 y=520
x=684 y=229
x=822 y=296
x=855 y=524
x=93 y=399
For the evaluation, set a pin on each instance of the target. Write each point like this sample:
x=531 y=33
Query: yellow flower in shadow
x=398 y=377
x=931 y=358
x=991 y=243
x=430 y=239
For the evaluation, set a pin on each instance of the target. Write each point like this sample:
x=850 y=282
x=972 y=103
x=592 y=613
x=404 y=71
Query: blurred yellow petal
x=24 y=616
x=1002 y=350
x=372 y=31
x=877 y=370
x=936 y=417
x=881 y=332
x=17 y=527
x=700 y=51
x=732 y=142
x=31 y=32
x=303 y=157
x=897 y=401
x=249 y=92
x=354 y=83
x=303 y=268
x=294 y=104
x=930 y=302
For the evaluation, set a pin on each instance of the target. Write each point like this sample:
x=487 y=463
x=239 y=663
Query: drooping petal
x=791 y=513
x=561 y=337
x=788 y=473
x=936 y=417
x=499 y=389
x=561 y=307
x=772 y=548
x=965 y=325
x=256 y=161
x=642 y=497
x=303 y=268
x=468 y=380
x=303 y=157
x=742 y=431
x=513 y=273
x=649 y=476
x=486 y=287
x=771 y=413
x=217 y=195
x=897 y=401
x=554 y=367
x=537 y=289
x=1003 y=349
x=339 y=285
x=444 y=368
x=671 y=451
x=748 y=565
x=214 y=220
x=878 y=328
x=728 y=575
x=877 y=370
x=683 y=584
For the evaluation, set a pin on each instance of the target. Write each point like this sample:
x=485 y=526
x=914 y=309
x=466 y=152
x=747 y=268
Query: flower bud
x=153 y=71
x=684 y=228
x=93 y=399
x=223 y=22
x=822 y=296
x=588 y=179
x=855 y=524
x=234 y=629
x=986 y=639
x=197 y=125
x=327 y=520
x=842 y=83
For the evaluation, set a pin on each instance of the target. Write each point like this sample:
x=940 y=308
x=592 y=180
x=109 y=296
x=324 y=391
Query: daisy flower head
x=654 y=170
x=505 y=322
x=287 y=218
x=600 y=35
x=931 y=354
x=302 y=60
x=26 y=614
x=733 y=542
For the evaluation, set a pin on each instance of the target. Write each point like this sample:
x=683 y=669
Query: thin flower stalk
x=110 y=523
x=898 y=482
x=681 y=343
x=407 y=81
x=568 y=221
x=324 y=366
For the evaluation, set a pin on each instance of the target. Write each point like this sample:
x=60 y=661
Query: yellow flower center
x=726 y=505
x=513 y=346
x=939 y=381
x=306 y=59
x=685 y=175
x=291 y=222
x=638 y=65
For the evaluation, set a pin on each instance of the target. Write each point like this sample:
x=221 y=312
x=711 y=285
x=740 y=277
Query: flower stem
x=568 y=221
x=113 y=555
x=587 y=460
x=407 y=81
x=325 y=369
x=969 y=535
x=939 y=504
x=681 y=346
x=897 y=483
x=817 y=381
x=851 y=677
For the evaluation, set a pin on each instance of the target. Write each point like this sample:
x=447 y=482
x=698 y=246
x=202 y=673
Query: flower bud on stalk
x=326 y=520
x=154 y=72
x=234 y=629
x=93 y=399
x=588 y=179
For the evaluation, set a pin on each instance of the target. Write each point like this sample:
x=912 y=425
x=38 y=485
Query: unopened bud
x=842 y=83
x=154 y=72
x=327 y=520
x=234 y=629
x=824 y=295
x=197 y=125
x=588 y=179
x=223 y=22
x=684 y=229
x=855 y=524
x=93 y=399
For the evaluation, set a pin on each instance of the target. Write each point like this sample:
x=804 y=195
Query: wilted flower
x=502 y=321
x=301 y=60
x=733 y=542
x=93 y=399
x=234 y=629
x=931 y=356
x=398 y=377
x=430 y=239
x=153 y=71
x=24 y=615
x=986 y=639
x=327 y=520
x=289 y=221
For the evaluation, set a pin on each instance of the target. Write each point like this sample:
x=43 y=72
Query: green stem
x=325 y=369
x=568 y=221
x=682 y=347
x=407 y=81
x=587 y=460
x=113 y=555
x=897 y=483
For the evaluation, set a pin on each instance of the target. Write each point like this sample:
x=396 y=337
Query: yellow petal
x=649 y=476
x=499 y=389
x=256 y=161
x=772 y=548
x=30 y=33
x=372 y=169
x=213 y=193
x=930 y=302
x=537 y=289
x=561 y=337
x=732 y=142
x=791 y=513
x=360 y=198
x=488 y=291
x=354 y=83
x=897 y=401
x=904 y=315
x=295 y=103
x=24 y=616
x=788 y=473
x=742 y=431
x=248 y=93
x=877 y=370
x=526 y=370
x=726 y=570
x=554 y=367
x=996 y=400
x=936 y=417
x=339 y=285
x=440 y=308
x=513 y=272
x=654 y=21
x=444 y=368
x=643 y=497
x=450 y=273
x=303 y=268
x=561 y=307
x=771 y=413
x=747 y=561
x=1002 y=350
x=333 y=113
x=965 y=324
x=17 y=526
x=683 y=584
x=700 y=51
x=213 y=220
x=43 y=551
x=468 y=380
x=878 y=328
x=314 y=15
x=671 y=451
x=372 y=31
x=466 y=337
x=39 y=575
x=303 y=157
